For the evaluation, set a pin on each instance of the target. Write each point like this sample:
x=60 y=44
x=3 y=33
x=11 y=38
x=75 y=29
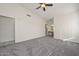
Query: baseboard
x=29 y=39
x=7 y=43
x=68 y=39
x=72 y=39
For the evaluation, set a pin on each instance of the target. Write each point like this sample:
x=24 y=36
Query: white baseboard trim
x=28 y=39
x=68 y=39
x=7 y=43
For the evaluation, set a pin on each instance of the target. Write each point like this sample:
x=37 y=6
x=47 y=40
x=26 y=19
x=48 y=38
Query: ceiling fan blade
x=38 y=7
x=49 y=4
x=40 y=3
x=44 y=9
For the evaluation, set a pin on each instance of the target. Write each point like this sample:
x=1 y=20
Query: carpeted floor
x=44 y=46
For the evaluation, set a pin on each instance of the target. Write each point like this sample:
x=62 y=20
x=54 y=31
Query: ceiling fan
x=44 y=5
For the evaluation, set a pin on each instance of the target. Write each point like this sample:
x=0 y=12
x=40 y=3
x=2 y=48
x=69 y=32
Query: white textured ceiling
x=57 y=9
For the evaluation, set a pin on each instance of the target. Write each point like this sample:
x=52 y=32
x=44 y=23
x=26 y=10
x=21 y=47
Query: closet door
x=7 y=29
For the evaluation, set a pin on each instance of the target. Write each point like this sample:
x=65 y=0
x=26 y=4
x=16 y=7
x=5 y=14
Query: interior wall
x=26 y=27
x=67 y=26
x=6 y=29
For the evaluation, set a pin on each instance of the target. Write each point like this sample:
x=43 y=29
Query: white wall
x=25 y=27
x=6 y=29
x=67 y=26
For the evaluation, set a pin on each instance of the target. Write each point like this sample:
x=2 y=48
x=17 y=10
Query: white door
x=7 y=30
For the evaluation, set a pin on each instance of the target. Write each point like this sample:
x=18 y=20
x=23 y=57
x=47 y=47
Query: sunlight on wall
x=75 y=27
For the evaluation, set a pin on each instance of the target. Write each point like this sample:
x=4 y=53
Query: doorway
x=49 y=27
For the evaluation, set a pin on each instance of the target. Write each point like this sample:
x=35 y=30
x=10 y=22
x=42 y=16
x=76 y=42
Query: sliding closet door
x=7 y=30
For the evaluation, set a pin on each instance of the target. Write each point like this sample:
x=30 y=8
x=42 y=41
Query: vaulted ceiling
x=55 y=10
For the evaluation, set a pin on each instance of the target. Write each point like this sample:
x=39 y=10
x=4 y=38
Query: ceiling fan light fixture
x=43 y=5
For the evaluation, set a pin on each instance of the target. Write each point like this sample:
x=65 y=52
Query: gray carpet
x=44 y=46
